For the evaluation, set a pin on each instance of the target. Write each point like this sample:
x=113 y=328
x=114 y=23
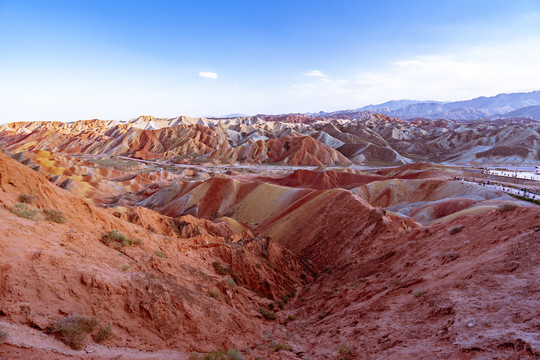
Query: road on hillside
x=226 y=167
x=510 y=190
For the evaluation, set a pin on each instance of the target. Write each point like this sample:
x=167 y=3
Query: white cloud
x=486 y=70
x=208 y=75
x=316 y=73
x=483 y=70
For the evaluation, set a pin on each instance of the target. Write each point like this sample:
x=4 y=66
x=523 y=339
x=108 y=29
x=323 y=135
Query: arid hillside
x=178 y=283
x=183 y=239
x=369 y=139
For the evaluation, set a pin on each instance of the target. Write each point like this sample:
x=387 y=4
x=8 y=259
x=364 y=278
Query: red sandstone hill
x=179 y=143
x=430 y=292
x=390 y=288
x=398 y=262
x=322 y=179
x=371 y=139
x=154 y=294
x=386 y=287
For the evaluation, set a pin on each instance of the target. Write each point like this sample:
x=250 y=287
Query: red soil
x=320 y=180
x=425 y=293
x=48 y=270
x=387 y=287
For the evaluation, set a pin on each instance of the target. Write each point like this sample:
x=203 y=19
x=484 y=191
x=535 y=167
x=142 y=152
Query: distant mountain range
x=496 y=107
x=296 y=139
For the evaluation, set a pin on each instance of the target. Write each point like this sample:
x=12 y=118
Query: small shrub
x=324 y=313
x=230 y=282
x=105 y=333
x=280 y=303
x=220 y=269
x=72 y=330
x=451 y=255
x=213 y=293
x=137 y=242
x=215 y=355
x=116 y=239
x=231 y=354
x=402 y=283
x=280 y=346
x=25 y=211
x=269 y=264
x=302 y=298
x=454 y=230
x=161 y=254
x=419 y=293
x=503 y=207
x=285 y=298
x=56 y=216
x=271 y=306
x=289 y=319
x=269 y=315
x=27 y=198
x=125 y=267
x=345 y=352
x=3 y=336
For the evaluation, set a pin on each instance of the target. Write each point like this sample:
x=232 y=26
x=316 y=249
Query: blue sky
x=69 y=60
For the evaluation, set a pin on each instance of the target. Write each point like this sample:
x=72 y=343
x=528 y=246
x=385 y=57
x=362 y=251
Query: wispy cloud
x=320 y=86
x=531 y=18
x=483 y=70
x=208 y=75
x=316 y=73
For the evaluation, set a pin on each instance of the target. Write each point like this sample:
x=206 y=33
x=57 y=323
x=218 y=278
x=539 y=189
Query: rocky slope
x=166 y=298
x=155 y=294
x=378 y=267
x=429 y=293
x=394 y=262
x=372 y=139
x=178 y=143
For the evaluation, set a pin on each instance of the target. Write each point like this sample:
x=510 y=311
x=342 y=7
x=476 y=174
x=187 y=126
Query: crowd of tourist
x=529 y=193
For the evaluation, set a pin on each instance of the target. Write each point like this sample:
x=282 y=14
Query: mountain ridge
x=492 y=107
x=296 y=140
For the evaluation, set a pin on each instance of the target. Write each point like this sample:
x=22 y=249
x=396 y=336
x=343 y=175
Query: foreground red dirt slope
x=156 y=294
x=462 y=288
x=355 y=281
x=431 y=293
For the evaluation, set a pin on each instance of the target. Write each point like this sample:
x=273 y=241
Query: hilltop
x=372 y=139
